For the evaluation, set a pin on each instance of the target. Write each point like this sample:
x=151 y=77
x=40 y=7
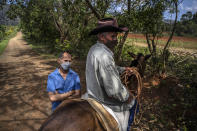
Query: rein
x=137 y=91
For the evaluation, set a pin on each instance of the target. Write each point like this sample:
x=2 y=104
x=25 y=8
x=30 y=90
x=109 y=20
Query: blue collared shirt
x=57 y=83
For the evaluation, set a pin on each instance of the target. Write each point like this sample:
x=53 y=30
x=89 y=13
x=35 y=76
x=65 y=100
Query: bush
x=2 y=32
x=184 y=67
x=8 y=32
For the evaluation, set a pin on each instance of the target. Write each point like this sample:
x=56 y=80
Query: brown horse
x=73 y=115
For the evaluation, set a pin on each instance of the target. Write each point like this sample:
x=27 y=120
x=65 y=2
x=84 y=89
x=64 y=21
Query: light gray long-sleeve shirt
x=103 y=81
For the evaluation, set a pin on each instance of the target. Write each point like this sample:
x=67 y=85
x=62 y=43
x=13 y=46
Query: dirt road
x=24 y=102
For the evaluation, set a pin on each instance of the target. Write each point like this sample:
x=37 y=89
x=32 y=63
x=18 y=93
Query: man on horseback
x=63 y=83
x=102 y=75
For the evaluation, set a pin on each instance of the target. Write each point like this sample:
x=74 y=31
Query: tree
x=187 y=26
x=165 y=53
x=195 y=18
x=186 y=17
x=147 y=17
x=35 y=21
x=66 y=24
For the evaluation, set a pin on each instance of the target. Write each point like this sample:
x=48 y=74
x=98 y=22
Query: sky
x=183 y=7
x=186 y=5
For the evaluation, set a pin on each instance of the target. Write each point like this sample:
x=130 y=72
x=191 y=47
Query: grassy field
x=181 y=42
x=12 y=30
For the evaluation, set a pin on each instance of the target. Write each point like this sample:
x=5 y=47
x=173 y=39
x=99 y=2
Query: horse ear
x=147 y=57
x=132 y=55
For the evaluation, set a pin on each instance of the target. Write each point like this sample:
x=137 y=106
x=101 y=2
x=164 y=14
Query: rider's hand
x=70 y=93
x=127 y=68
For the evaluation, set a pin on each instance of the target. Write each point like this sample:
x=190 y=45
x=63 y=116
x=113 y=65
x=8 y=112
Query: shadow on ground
x=24 y=102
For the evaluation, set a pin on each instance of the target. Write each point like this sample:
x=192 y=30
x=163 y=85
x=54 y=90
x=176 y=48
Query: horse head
x=139 y=62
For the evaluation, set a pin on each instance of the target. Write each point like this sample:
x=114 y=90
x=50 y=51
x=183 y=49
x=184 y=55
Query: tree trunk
x=58 y=20
x=120 y=46
x=149 y=46
x=165 y=52
x=122 y=41
x=173 y=30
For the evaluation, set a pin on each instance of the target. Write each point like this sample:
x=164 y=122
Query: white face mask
x=65 y=65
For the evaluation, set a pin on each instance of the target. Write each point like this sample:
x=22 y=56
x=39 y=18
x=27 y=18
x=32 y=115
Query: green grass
x=4 y=42
x=180 y=44
x=3 y=45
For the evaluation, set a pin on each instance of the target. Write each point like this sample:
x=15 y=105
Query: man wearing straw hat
x=102 y=75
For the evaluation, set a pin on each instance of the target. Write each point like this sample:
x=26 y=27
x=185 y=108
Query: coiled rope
x=126 y=77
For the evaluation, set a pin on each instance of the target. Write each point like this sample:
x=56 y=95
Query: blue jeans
x=132 y=113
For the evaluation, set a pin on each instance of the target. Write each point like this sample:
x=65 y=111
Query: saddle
x=106 y=119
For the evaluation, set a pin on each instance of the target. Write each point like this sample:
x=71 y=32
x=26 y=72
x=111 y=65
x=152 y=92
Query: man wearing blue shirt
x=63 y=83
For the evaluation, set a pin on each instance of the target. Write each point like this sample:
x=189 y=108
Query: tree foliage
x=64 y=25
x=187 y=26
x=147 y=17
x=2 y=32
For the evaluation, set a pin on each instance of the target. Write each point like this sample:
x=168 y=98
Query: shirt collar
x=105 y=47
x=58 y=73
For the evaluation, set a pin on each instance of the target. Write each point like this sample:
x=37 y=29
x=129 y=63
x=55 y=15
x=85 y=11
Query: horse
x=139 y=62
x=73 y=115
x=77 y=115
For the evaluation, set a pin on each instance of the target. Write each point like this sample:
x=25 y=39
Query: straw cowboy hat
x=107 y=25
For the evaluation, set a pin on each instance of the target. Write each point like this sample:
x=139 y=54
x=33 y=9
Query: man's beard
x=111 y=44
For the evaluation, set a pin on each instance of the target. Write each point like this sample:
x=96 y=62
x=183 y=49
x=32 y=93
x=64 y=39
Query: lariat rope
x=132 y=72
